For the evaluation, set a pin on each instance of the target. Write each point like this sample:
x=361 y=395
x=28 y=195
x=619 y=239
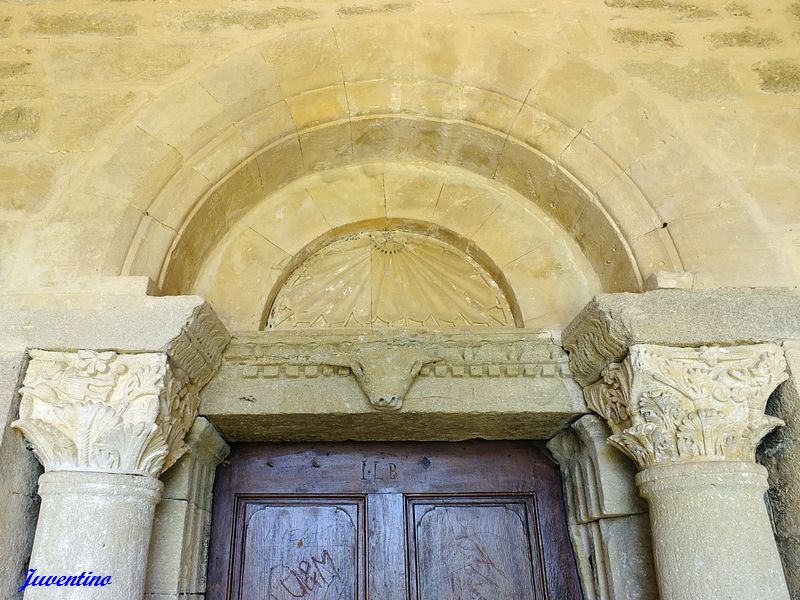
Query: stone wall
x=696 y=104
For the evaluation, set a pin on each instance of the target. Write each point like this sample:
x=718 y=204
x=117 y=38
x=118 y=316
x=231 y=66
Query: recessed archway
x=218 y=146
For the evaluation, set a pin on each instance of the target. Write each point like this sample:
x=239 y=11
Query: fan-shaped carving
x=390 y=278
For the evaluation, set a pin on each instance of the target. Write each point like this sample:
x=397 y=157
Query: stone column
x=179 y=547
x=105 y=426
x=19 y=471
x=691 y=419
x=607 y=519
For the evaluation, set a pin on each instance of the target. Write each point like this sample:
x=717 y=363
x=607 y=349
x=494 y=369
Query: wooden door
x=398 y=521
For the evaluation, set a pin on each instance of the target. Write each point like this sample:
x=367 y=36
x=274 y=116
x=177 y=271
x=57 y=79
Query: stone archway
x=212 y=151
x=208 y=150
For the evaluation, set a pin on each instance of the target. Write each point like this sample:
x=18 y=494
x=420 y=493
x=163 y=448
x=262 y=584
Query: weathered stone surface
x=19 y=123
x=779 y=76
x=712 y=536
x=643 y=37
x=611 y=323
x=780 y=453
x=387 y=7
x=18 y=473
x=252 y=20
x=179 y=545
x=83 y=23
x=294 y=386
x=748 y=37
x=123 y=62
x=98 y=519
x=664 y=280
x=78 y=120
x=701 y=79
x=13 y=70
x=48 y=319
x=5 y=26
x=26 y=188
x=738 y=9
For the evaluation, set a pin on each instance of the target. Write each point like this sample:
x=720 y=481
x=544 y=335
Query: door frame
x=514 y=384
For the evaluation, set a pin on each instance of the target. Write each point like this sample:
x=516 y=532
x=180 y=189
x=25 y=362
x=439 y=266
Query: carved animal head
x=386 y=374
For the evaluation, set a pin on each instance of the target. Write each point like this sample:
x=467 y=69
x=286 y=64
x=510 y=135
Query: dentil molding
x=385 y=363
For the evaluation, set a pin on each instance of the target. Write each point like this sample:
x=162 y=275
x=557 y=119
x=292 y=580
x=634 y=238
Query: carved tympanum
x=103 y=411
x=669 y=404
x=390 y=278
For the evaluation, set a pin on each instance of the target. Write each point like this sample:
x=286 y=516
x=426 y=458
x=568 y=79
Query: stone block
x=103 y=23
x=291 y=220
x=668 y=280
x=178 y=548
x=186 y=119
x=245 y=81
x=415 y=193
x=375 y=96
x=355 y=195
x=192 y=477
x=304 y=63
x=319 y=106
x=48 y=319
x=628 y=558
x=247 y=261
x=698 y=317
x=19 y=123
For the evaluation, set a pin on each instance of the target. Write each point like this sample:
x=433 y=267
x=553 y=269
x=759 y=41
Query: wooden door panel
x=473 y=549
x=300 y=548
x=399 y=521
x=386 y=546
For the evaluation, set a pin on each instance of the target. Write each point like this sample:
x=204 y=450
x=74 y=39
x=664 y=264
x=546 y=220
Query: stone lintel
x=606 y=328
x=286 y=386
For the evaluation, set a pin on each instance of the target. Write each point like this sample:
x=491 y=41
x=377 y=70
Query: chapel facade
x=375 y=300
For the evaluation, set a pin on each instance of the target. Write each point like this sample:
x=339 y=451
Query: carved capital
x=103 y=411
x=667 y=404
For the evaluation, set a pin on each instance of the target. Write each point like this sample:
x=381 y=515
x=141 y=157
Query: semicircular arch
x=206 y=151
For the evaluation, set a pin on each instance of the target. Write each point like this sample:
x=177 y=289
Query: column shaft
x=711 y=532
x=691 y=419
x=98 y=522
